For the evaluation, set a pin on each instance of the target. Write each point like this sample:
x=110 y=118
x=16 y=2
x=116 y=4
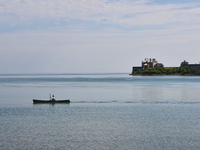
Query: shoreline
x=163 y=75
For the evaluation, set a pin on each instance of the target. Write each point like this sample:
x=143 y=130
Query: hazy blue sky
x=96 y=36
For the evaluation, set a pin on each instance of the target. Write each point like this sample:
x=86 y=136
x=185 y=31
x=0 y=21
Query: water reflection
x=151 y=93
x=50 y=104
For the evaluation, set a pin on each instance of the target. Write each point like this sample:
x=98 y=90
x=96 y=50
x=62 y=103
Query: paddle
x=50 y=96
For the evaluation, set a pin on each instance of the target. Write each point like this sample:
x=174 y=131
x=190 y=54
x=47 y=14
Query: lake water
x=107 y=111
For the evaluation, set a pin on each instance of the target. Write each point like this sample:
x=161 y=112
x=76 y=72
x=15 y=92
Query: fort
x=152 y=63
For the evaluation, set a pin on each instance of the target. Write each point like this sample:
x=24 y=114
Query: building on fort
x=148 y=63
x=152 y=63
x=194 y=66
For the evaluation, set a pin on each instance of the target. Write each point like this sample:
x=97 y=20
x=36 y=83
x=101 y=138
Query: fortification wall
x=194 y=66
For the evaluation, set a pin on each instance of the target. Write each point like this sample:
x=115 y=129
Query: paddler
x=53 y=98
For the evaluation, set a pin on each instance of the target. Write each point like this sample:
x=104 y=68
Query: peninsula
x=152 y=67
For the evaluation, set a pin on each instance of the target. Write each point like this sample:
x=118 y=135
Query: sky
x=96 y=36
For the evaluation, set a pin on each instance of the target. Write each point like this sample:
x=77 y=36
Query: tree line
x=168 y=71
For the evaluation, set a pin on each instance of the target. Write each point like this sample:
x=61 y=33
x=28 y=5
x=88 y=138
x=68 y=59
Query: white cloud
x=123 y=12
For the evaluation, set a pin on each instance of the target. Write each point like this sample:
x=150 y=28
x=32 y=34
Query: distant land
x=152 y=67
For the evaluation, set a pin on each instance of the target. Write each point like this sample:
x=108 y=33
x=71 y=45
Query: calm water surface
x=107 y=111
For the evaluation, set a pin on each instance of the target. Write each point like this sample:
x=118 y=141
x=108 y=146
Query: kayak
x=50 y=101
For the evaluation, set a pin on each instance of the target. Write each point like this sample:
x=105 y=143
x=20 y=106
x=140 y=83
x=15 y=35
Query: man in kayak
x=53 y=98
